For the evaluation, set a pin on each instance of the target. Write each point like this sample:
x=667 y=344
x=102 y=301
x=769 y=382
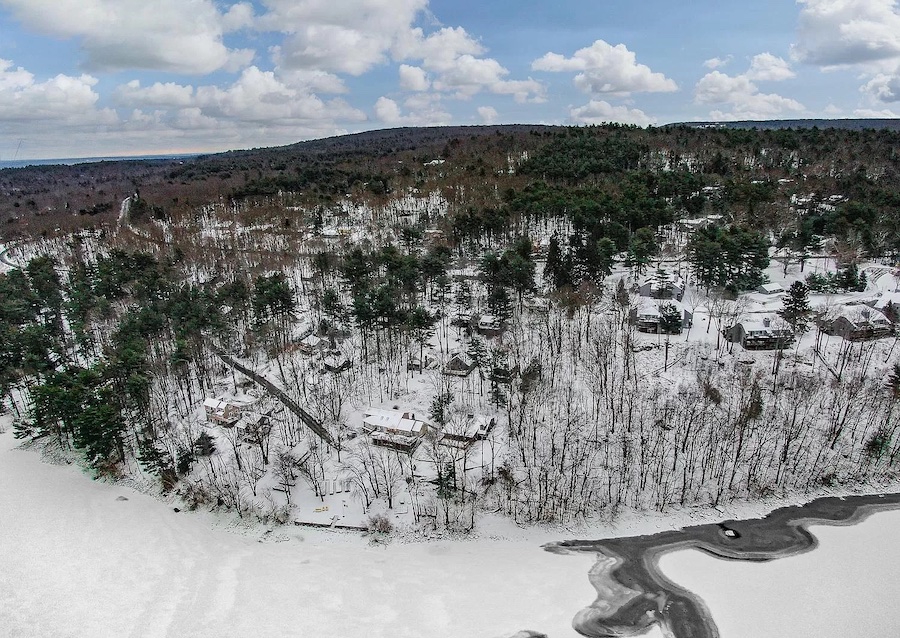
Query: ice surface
x=75 y=561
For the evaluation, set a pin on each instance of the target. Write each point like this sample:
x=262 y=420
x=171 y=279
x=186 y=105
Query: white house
x=770 y=289
x=394 y=422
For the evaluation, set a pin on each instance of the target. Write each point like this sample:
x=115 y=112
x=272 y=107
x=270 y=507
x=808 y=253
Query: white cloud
x=239 y=16
x=600 y=111
x=455 y=60
x=413 y=78
x=833 y=110
x=182 y=36
x=61 y=116
x=488 y=114
x=158 y=94
x=883 y=87
x=261 y=96
x=872 y=113
x=607 y=69
x=349 y=36
x=63 y=97
x=767 y=67
x=423 y=109
x=715 y=63
x=839 y=33
x=860 y=34
x=742 y=94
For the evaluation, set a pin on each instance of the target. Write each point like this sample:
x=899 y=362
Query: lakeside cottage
x=768 y=332
x=770 y=289
x=311 y=344
x=490 y=325
x=395 y=429
x=221 y=411
x=647 y=317
x=463 y=434
x=459 y=365
x=336 y=362
x=662 y=285
x=858 y=323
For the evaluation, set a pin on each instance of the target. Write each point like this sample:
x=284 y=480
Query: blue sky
x=123 y=77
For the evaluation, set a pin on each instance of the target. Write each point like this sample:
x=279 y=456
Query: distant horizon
x=69 y=161
x=207 y=74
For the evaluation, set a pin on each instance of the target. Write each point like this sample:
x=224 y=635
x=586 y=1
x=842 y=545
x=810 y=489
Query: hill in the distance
x=772 y=125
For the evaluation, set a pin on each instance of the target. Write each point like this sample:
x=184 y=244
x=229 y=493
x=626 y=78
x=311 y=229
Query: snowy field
x=848 y=586
x=76 y=561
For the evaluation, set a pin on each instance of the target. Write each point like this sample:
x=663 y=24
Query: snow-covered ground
x=848 y=586
x=77 y=561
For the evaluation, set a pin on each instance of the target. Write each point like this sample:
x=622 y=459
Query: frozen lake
x=75 y=561
x=848 y=586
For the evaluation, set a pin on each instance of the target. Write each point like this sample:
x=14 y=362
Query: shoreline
x=626 y=523
x=656 y=600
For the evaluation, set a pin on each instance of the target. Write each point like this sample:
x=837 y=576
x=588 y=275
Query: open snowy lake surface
x=75 y=561
x=848 y=586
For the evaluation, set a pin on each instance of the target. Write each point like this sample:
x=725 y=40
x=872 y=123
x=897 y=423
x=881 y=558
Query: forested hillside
x=490 y=285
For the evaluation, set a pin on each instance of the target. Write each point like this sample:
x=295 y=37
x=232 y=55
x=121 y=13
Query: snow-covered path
x=75 y=561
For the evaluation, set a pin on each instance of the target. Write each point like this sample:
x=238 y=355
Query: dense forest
x=138 y=289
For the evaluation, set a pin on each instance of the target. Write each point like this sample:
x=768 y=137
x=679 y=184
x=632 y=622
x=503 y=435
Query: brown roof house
x=857 y=323
x=459 y=365
x=767 y=332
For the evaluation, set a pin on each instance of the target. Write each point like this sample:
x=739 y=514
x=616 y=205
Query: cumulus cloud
x=600 y=111
x=839 y=33
x=61 y=116
x=261 y=96
x=158 y=94
x=766 y=67
x=487 y=114
x=422 y=109
x=715 y=63
x=350 y=36
x=23 y=98
x=873 y=113
x=741 y=93
x=458 y=66
x=413 y=78
x=182 y=36
x=859 y=34
x=883 y=87
x=604 y=68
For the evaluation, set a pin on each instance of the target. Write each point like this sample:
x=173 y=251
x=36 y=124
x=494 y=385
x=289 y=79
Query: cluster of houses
x=402 y=430
x=660 y=289
x=873 y=319
x=247 y=418
x=853 y=322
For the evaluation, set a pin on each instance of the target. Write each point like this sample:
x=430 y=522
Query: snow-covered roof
x=885 y=299
x=462 y=357
x=861 y=314
x=393 y=420
x=771 y=288
x=762 y=324
x=215 y=404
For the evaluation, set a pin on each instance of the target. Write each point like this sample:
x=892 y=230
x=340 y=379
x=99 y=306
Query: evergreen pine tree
x=669 y=319
x=796 y=310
